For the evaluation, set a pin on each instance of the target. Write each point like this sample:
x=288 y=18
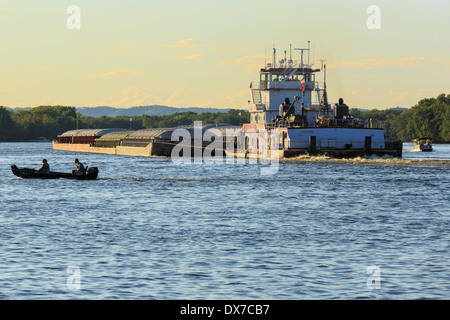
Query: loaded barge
x=289 y=116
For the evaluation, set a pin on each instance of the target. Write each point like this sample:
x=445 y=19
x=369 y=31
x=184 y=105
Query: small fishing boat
x=26 y=173
x=422 y=145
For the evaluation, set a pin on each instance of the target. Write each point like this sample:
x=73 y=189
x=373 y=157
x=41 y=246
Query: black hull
x=26 y=173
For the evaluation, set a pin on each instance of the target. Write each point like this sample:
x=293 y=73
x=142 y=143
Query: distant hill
x=155 y=110
x=17 y=109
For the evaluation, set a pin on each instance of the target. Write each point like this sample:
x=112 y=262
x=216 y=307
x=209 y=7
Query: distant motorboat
x=41 y=139
x=422 y=145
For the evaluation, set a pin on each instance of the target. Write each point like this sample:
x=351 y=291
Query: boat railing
x=255 y=85
x=349 y=144
x=318 y=85
x=278 y=124
x=283 y=84
x=373 y=123
x=263 y=85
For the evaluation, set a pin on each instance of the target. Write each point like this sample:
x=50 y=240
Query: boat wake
x=144 y=179
x=132 y=178
x=372 y=160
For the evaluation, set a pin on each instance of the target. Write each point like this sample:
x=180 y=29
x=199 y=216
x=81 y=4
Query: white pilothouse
x=290 y=100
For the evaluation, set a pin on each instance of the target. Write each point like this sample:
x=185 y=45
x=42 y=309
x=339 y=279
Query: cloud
x=185 y=43
x=242 y=60
x=12 y=90
x=441 y=62
x=395 y=96
x=8 y=9
x=232 y=46
x=113 y=74
x=362 y=91
x=139 y=96
x=234 y=99
x=128 y=42
x=114 y=50
x=121 y=47
x=368 y=63
x=252 y=63
x=190 y=57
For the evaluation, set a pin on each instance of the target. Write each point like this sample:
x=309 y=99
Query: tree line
x=51 y=121
x=428 y=118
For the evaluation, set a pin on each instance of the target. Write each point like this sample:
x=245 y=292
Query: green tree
x=429 y=117
x=6 y=124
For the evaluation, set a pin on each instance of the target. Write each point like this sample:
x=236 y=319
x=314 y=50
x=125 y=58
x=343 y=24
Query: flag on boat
x=302 y=85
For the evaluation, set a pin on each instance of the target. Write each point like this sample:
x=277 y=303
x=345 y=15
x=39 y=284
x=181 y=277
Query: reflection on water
x=149 y=229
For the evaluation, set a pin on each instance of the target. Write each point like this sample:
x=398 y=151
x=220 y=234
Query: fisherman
x=45 y=168
x=80 y=168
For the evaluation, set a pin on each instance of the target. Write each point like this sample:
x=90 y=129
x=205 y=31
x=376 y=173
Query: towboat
x=26 y=173
x=422 y=145
x=289 y=105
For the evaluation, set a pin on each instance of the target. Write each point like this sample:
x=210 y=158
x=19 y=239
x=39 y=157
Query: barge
x=289 y=116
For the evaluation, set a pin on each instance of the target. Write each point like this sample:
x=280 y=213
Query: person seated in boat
x=45 y=168
x=80 y=168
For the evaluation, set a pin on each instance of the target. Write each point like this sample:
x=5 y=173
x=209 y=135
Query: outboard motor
x=92 y=172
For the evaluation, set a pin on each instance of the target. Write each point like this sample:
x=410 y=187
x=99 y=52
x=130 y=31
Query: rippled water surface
x=150 y=229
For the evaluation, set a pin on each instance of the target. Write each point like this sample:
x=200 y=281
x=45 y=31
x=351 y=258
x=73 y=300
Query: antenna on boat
x=309 y=53
x=290 y=62
x=322 y=61
x=301 y=54
x=265 y=55
x=325 y=97
x=274 y=57
x=323 y=109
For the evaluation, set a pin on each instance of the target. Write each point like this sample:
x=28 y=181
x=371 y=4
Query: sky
x=205 y=53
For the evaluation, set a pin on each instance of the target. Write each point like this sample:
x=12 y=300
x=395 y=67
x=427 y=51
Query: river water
x=319 y=228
